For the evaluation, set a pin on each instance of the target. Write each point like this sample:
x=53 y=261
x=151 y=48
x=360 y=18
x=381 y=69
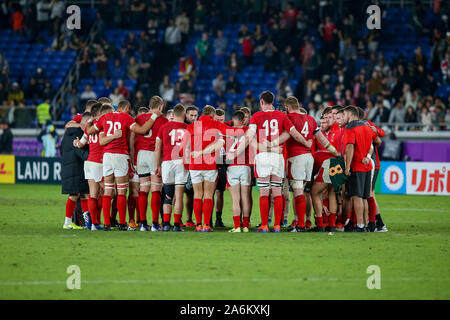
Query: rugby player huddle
x=331 y=169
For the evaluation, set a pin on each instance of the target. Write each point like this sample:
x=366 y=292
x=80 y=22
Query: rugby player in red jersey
x=116 y=160
x=239 y=176
x=191 y=116
x=203 y=139
x=174 y=175
x=300 y=159
x=267 y=125
x=358 y=139
x=375 y=220
x=145 y=147
x=93 y=168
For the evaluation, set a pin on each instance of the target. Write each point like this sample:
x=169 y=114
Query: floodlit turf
x=35 y=253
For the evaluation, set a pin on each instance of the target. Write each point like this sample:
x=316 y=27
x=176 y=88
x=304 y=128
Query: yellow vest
x=43 y=113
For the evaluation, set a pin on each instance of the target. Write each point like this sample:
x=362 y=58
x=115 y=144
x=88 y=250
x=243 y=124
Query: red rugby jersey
x=360 y=135
x=307 y=127
x=95 y=149
x=111 y=122
x=148 y=141
x=269 y=125
x=171 y=134
x=231 y=143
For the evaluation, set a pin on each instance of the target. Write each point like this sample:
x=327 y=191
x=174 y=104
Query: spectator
x=380 y=114
x=137 y=14
x=374 y=85
x=447 y=119
x=72 y=97
x=247 y=50
x=410 y=117
x=183 y=23
x=233 y=86
x=220 y=47
x=287 y=61
x=219 y=84
x=284 y=90
x=398 y=113
x=43 y=9
x=75 y=42
x=17 y=20
x=167 y=90
x=419 y=59
x=44 y=112
x=101 y=60
x=6 y=138
x=328 y=31
x=445 y=68
x=3 y=94
x=16 y=94
x=60 y=43
x=48 y=91
x=290 y=15
x=56 y=16
x=199 y=17
x=202 y=48
x=122 y=89
x=187 y=68
x=172 y=39
x=116 y=97
x=40 y=76
x=233 y=63
x=107 y=89
x=418 y=14
x=270 y=56
x=88 y=94
x=250 y=102
x=425 y=119
x=117 y=71
x=130 y=45
x=84 y=65
x=139 y=100
x=49 y=138
x=258 y=39
x=361 y=50
x=132 y=68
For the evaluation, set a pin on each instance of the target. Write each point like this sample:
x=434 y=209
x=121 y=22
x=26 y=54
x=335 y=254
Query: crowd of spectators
x=395 y=91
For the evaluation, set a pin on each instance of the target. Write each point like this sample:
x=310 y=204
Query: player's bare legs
x=264 y=201
x=358 y=206
x=107 y=199
x=299 y=204
x=245 y=204
x=70 y=207
x=156 y=187
x=122 y=186
x=207 y=208
x=332 y=207
x=235 y=192
x=133 y=199
x=178 y=206
x=218 y=204
x=94 y=191
x=308 y=209
x=144 y=189
x=198 y=203
x=316 y=191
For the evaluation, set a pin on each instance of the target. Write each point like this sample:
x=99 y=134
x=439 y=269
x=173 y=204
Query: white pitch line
x=149 y=281
x=413 y=209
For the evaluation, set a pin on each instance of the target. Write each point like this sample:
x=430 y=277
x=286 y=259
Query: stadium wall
x=422 y=178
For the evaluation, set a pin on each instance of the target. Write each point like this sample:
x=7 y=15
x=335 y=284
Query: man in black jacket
x=72 y=173
x=6 y=138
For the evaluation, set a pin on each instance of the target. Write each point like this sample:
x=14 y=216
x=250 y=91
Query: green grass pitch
x=35 y=252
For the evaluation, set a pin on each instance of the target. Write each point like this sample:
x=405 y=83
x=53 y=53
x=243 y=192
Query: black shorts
x=358 y=184
x=189 y=188
x=375 y=176
x=222 y=178
x=252 y=179
x=308 y=186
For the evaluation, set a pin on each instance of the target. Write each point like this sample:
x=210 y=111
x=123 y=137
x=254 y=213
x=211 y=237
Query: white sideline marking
x=149 y=281
x=413 y=209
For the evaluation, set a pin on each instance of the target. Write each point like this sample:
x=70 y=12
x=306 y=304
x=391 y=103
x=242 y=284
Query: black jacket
x=72 y=165
x=6 y=141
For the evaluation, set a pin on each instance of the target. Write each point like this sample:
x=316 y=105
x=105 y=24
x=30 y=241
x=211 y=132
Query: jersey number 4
x=305 y=130
x=113 y=125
